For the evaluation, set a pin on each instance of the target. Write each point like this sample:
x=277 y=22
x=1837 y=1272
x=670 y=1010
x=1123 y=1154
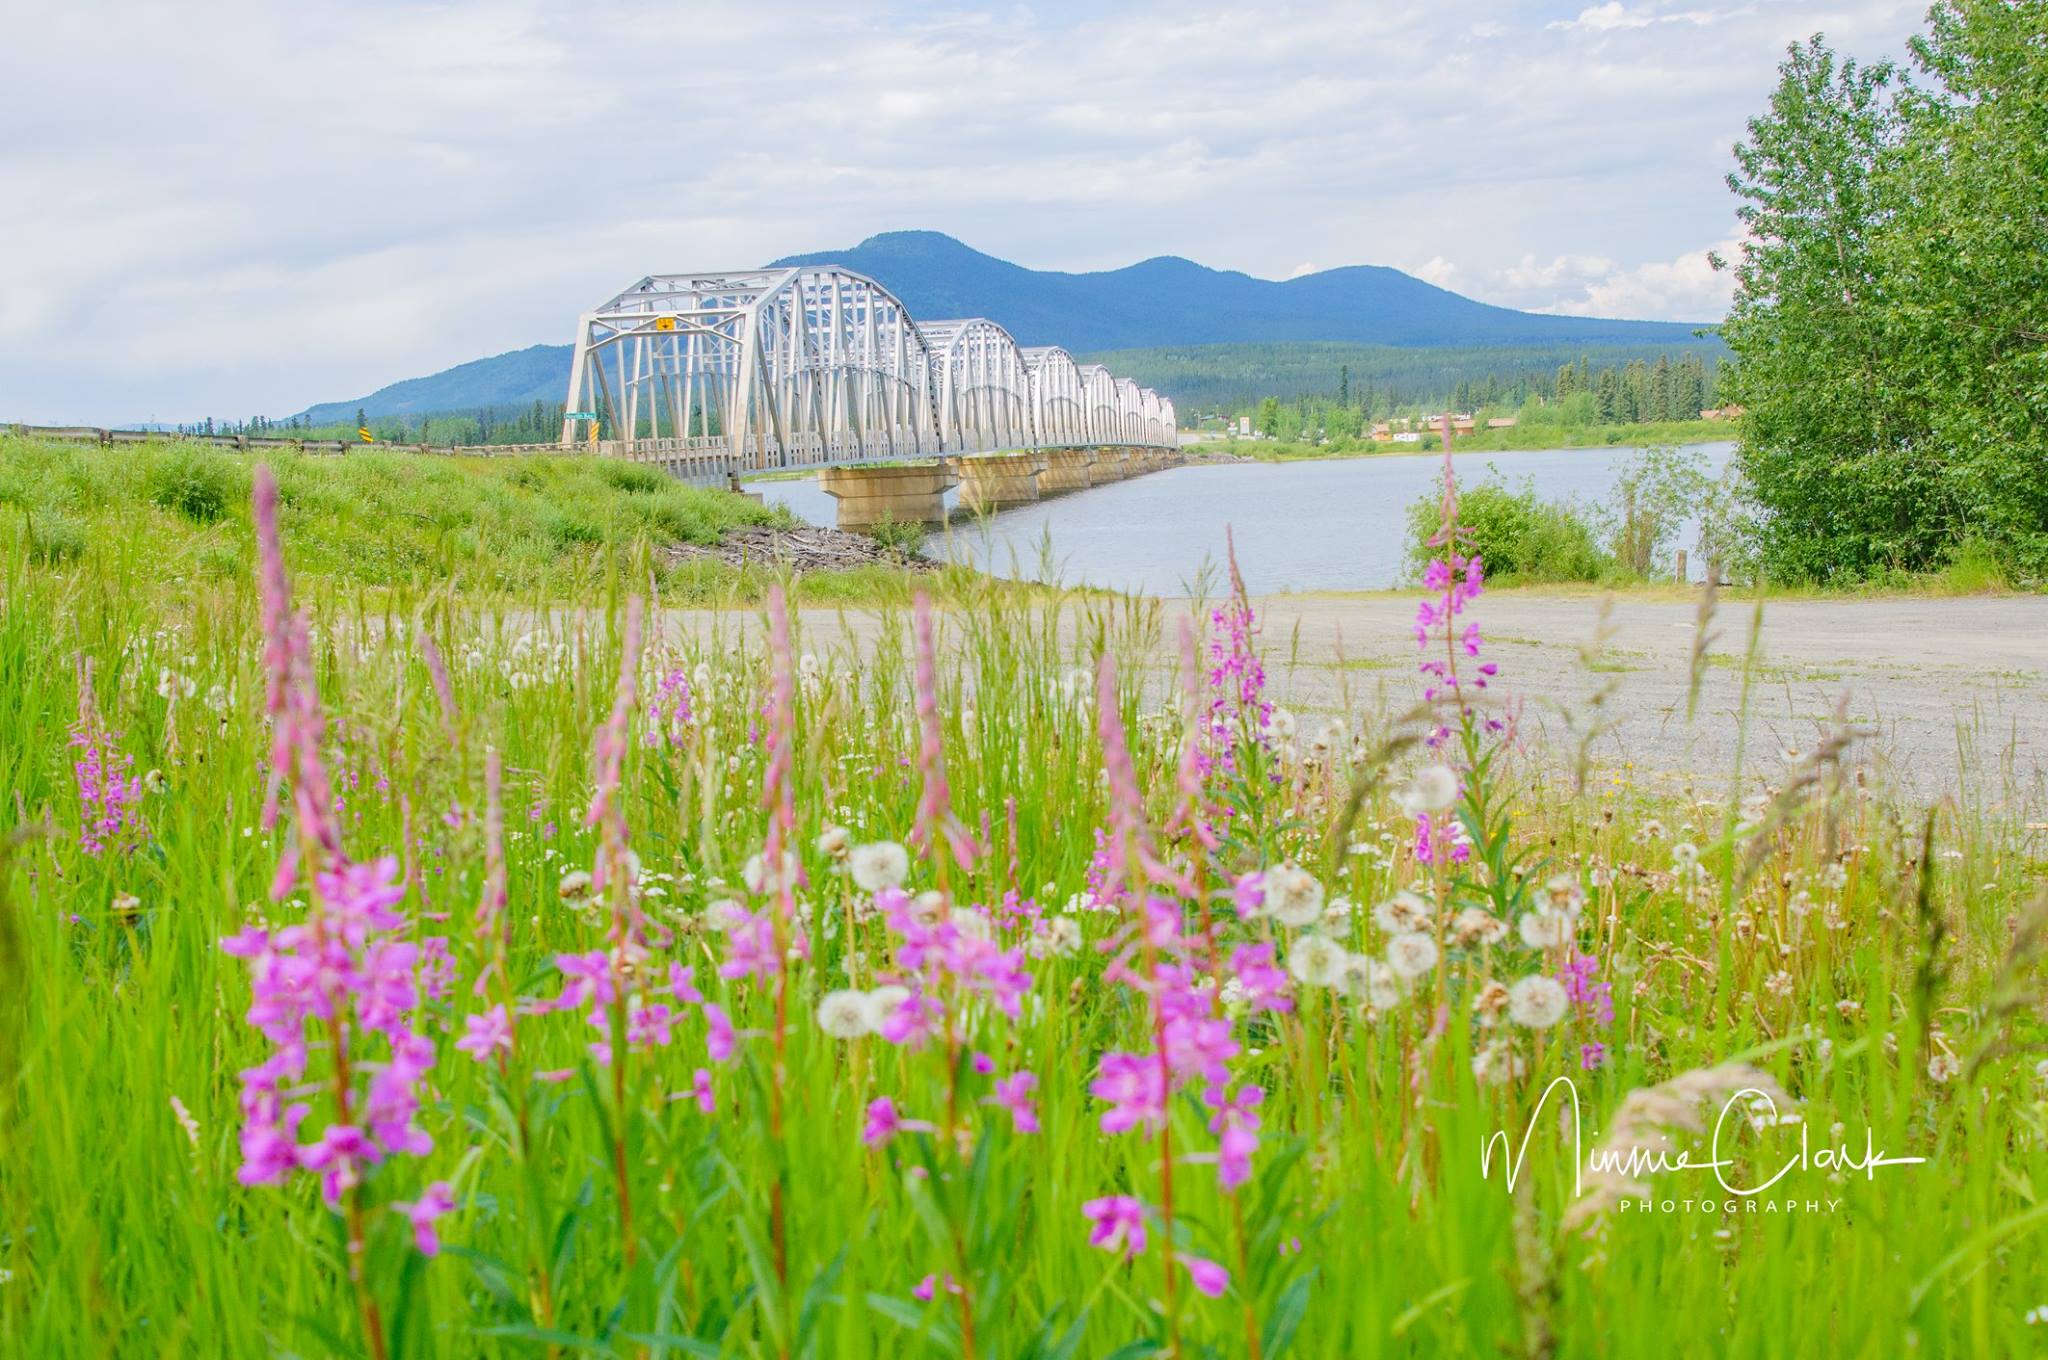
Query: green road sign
x=579 y=415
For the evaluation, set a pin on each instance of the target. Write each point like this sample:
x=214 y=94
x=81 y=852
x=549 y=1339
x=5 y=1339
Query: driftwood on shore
x=804 y=548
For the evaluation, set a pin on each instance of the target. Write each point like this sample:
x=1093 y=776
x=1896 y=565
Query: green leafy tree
x=1892 y=357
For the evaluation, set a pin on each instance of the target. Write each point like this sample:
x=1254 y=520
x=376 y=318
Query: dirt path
x=1953 y=692
x=1951 y=689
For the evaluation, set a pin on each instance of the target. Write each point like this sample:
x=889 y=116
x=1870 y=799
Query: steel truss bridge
x=720 y=375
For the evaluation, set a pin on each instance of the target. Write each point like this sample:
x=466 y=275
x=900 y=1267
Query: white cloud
x=1437 y=270
x=300 y=203
x=1686 y=288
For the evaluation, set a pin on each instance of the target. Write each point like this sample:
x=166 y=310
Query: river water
x=1331 y=524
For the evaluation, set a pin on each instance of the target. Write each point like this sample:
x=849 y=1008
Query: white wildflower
x=1369 y=981
x=575 y=886
x=1477 y=925
x=843 y=1014
x=881 y=1003
x=1546 y=929
x=834 y=842
x=879 y=865
x=1411 y=955
x=1943 y=1067
x=1293 y=897
x=1498 y=1063
x=760 y=881
x=1433 y=789
x=1282 y=725
x=1403 y=912
x=1537 y=1002
x=1314 y=960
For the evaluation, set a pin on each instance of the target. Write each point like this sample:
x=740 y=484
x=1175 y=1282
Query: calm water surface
x=1330 y=525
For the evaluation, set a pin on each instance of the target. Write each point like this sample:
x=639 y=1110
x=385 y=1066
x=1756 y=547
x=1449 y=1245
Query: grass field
x=519 y=979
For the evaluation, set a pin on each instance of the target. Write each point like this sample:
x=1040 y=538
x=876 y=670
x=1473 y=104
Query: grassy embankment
x=685 y=1188
x=385 y=519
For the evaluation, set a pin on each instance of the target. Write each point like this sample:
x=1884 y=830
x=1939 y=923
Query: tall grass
x=1796 y=933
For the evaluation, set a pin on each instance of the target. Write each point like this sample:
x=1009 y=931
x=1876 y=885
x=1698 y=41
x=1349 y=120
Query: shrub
x=637 y=477
x=1519 y=536
x=196 y=482
x=54 y=537
x=906 y=538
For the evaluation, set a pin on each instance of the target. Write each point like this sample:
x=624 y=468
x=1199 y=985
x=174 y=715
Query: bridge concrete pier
x=1067 y=470
x=995 y=483
x=1115 y=465
x=869 y=496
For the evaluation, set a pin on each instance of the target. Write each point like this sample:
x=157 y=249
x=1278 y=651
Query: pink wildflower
x=1013 y=1093
x=434 y=1202
x=486 y=1034
x=1119 y=1221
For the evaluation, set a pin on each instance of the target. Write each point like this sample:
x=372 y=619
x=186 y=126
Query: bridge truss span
x=722 y=374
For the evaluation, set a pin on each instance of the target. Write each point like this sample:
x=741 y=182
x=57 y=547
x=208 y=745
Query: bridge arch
x=1058 y=397
x=982 y=384
x=780 y=368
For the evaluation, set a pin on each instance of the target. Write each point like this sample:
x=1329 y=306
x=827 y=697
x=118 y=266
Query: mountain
x=538 y=372
x=1171 y=301
x=1157 y=303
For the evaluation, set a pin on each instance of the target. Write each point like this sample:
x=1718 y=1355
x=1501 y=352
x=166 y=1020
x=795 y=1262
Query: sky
x=251 y=207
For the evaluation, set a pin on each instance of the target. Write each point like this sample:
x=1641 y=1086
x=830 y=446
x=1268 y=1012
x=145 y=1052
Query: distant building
x=1722 y=413
x=1407 y=437
x=1244 y=425
x=1502 y=423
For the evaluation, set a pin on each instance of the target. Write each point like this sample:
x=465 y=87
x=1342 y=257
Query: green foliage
x=1887 y=313
x=197 y=481
x=907 y=537
x=1521 y=538
x=1653 y=493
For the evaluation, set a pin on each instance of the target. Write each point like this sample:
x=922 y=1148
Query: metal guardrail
x=90 y=434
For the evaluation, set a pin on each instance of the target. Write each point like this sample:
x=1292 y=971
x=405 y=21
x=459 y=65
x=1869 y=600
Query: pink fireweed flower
x=297 y=723
x=927 y=1289
x=109 y=792
x=423 y=1213
x=935 y=803
x=883 y=1123
x=1129 y=844
x=444 y=691
x=486 y=1034
x=1209 y=1278
x=1192 y=816
x=1118 y=1221
x=669 y=714
x=650 y=1024
x=1236 y=1124
x=1264 y=981
x=1013 y=1093
x=720 y=1039
x=778 y=782
x=750 y=948
x=493 y=926
x=682 y=984
x=701 y=1092
x=913 y=1021
x=605 y=812
x=339 y=1155
x=1135 y=1087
